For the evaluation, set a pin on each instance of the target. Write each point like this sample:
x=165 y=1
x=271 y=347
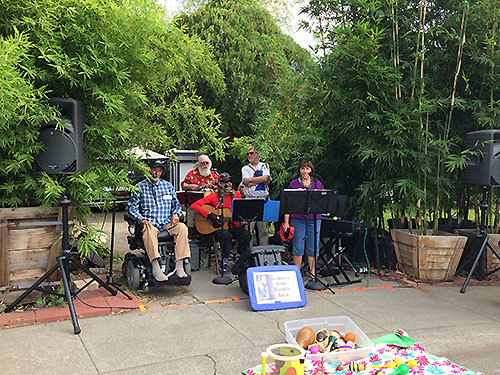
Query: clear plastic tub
x=340 y=323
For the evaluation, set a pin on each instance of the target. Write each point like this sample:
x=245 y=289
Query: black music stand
x=63 y=266
x=295 y=201
x=246 y=210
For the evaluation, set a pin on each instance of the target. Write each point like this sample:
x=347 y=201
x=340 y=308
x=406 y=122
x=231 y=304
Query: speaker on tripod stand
x=483 y=169
x=65 y=149
x=64 y=153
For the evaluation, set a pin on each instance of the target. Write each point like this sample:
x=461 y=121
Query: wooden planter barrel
x=427 y=257
x=29 y=244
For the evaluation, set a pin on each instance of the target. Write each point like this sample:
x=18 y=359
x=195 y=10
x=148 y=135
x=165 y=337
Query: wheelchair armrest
x=129 y=219
x=182 y=218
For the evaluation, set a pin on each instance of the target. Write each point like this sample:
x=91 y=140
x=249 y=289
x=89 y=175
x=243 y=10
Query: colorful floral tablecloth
x=428 y=364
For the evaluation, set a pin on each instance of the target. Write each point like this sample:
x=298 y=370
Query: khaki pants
x=180 y=234
x=261 y=231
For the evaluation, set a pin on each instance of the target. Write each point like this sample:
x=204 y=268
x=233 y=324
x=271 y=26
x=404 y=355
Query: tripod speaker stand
x=310 y=202
x=483 y=205
x=62 y=265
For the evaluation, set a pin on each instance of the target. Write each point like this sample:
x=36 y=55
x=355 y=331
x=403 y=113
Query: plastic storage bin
x=340 y=323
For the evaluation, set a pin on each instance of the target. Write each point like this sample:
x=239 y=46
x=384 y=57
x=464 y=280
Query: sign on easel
x=275 y=287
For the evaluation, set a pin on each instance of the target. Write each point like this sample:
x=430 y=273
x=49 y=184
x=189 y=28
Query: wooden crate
x=426 y=257
x=29 y=245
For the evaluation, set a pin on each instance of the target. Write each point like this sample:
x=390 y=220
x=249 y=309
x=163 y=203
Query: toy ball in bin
x=289 y=358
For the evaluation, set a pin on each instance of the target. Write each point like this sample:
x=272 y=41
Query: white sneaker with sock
x=157 y=272
x=179 y=268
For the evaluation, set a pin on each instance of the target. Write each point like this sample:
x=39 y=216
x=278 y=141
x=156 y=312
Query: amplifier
x=266 y=255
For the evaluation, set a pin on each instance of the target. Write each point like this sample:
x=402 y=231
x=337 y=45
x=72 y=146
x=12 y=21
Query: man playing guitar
x=219 y=204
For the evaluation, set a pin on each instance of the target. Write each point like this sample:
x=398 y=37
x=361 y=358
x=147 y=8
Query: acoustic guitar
x=204 y=225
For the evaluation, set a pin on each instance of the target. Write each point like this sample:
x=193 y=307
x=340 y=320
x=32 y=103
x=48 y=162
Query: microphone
x=221 y=198
x=154 y=175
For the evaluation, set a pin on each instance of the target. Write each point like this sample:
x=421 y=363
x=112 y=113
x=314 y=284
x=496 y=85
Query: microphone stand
x=221 y=279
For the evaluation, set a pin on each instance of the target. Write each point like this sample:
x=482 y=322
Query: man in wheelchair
x=154 y=204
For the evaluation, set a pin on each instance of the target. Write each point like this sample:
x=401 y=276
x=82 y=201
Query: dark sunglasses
x=250 y=153
x=226 y=181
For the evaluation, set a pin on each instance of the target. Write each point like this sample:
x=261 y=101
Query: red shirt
x=212 y=200
x=194 y=177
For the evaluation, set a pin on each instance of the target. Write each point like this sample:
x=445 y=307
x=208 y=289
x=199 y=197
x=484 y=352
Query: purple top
x=296 y=184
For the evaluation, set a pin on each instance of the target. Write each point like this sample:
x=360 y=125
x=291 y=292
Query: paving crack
x=214 y=362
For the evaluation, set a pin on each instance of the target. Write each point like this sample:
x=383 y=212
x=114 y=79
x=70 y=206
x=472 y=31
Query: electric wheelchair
x=137 y=268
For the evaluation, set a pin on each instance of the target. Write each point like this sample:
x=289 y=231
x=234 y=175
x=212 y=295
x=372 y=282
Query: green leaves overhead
x=136 y=74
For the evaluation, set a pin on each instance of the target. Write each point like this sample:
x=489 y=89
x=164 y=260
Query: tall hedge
x=136 y=73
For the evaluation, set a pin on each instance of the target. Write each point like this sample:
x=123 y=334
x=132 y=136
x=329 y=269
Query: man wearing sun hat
x=154 y=203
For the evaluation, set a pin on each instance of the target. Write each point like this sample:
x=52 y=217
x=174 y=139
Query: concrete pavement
x=185 y=330
x=211 y=329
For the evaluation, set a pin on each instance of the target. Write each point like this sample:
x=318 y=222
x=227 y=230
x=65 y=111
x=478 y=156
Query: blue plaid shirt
x=154 y=202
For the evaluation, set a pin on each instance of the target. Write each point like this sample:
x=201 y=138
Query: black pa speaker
x=65 y=150
x=483 y=168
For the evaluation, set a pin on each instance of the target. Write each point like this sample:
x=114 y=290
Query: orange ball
x=349 y=336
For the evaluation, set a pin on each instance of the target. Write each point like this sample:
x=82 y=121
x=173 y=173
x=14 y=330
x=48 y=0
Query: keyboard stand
x=328 y=256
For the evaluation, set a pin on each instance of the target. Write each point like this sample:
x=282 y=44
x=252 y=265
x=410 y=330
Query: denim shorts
x=303 y=228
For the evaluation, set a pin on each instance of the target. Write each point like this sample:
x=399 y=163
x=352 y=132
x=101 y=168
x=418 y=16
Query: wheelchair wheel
x=133 y=276
x=242 y=280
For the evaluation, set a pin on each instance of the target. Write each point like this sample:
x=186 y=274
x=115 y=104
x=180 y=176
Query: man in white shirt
x=256 y=179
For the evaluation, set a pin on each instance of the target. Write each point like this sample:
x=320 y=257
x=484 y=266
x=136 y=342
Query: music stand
x=189 y=197
x=304 y=202
x=246 y=210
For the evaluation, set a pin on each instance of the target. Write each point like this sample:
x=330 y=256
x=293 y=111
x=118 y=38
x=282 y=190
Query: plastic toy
x=412 y=363
x=401 y=370
x=349 y=336
x=335 y=333
x=355 y=367
x=263 y=358
x=397 y=363
x=314 y=349
x=305 y=337
x=288 y=358
x=387 y=365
